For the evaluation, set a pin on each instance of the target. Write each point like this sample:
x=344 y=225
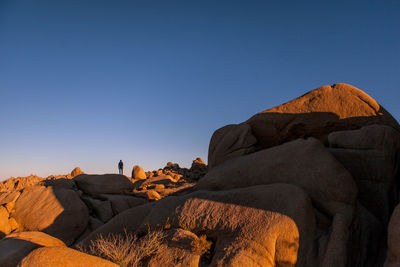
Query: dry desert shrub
x=126 y=250
x=201 y=245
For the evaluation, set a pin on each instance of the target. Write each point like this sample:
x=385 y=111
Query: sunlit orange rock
x=54 y=210
x=317 y=113
x=5 y=227
x=75 y=172
x=13 y=184
x=177 y=250
x=138 y=173
x=269 y=225
x=62 y=257
x=16 y=246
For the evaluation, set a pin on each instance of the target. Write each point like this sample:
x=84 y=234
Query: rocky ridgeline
x=15 y=184
x=62 y=210
x=312 y=182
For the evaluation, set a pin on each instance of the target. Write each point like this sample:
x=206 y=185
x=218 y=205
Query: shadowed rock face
x=317 y=113
x=305 y=163
x=393 y=257
x=371 y=156
x=93 y=184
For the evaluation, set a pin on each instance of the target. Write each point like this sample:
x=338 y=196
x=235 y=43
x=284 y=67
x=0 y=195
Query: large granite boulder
x=305 y=163
x=371 y=156
x=62 y=257
x=93 y=184
x=321 y=111
x=16 y=246
x=262 y=225
x=5 y=227
x=102 y=209
x=393 y=255
x=56 y=211
x=138 y=173
x=119 y=203
x=230 y=141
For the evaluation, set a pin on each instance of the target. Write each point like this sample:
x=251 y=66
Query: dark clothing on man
x=121 y=167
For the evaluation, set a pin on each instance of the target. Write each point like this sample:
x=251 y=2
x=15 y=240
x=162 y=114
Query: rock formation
x=312 y=182
x=138 y=173
x=75 y=172
x=54 y=210
x=14 y=247
x=322 y=111
x=62 y=256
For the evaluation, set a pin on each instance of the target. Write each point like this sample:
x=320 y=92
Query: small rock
x=75 y=172
x=138 y=173
x=13 y=224
x=5 y=228
x=148 y=194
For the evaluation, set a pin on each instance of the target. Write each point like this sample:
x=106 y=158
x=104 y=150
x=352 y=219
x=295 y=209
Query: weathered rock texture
x=247 y=225
x=5 y=227
x=104 y=184
x=317 y=113
x=119 y=203
x=360 y=134
x=306 y=163
x=16 y=246
x=14 y=184
x=178 y=250
x=62 y=257
x=371 y=155
x=312 y=182
x=54 y=210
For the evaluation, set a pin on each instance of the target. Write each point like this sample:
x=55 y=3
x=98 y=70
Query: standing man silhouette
x=121 y=167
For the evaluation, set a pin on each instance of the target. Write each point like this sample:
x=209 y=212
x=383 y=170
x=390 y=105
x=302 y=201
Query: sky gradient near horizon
x=87 y=83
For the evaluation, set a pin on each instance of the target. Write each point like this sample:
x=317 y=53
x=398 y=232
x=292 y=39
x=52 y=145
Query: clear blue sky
x=86 y=83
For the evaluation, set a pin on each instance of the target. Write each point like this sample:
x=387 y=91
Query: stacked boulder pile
x=312 y=182
x=64 y=209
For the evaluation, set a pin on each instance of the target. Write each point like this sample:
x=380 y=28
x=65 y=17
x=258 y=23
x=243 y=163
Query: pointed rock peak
x=75 y=172
x=199 y=161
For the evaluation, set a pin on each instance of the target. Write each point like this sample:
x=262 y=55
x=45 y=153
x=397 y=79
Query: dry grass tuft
x=126 y=250
x=201 y=245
